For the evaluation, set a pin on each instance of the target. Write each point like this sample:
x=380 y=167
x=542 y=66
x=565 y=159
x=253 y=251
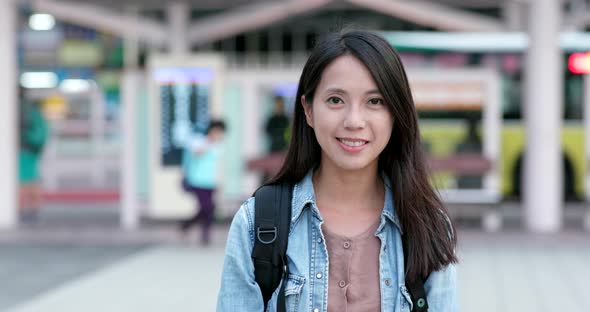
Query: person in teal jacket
x=200 y=166
x=33 y=135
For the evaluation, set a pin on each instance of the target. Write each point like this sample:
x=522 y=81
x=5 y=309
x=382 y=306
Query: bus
x=443 y=130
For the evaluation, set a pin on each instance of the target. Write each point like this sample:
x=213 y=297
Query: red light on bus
x=579 y=63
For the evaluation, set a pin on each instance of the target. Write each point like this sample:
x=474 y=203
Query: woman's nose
x=354 y=118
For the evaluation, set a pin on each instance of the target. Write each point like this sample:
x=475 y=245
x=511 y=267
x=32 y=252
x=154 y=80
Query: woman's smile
x=352 y=145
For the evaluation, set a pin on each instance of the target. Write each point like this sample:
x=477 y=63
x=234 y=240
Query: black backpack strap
x=415 y=287
x=272 y=221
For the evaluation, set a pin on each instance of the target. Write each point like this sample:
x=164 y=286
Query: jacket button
x=387 y=282
x=342 y=284
x=421 y=303
x=316 y=310
x=319 y=275
x=346 y=245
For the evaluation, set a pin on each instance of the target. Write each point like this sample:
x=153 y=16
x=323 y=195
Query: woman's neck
x=348 y=191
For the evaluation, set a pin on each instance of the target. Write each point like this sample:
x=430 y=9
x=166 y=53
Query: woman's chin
x=355 y=165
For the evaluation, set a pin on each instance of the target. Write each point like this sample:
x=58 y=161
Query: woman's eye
x=376 y=101
x=334 y=100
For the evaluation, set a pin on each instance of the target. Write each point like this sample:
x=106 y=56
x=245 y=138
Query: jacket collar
x=304 y=197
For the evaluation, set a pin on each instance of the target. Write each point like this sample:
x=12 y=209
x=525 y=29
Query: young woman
x=360 y=183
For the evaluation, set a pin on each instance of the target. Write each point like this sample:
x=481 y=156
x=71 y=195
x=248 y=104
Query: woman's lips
x=352 y=145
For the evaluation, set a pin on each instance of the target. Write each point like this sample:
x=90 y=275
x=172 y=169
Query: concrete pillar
x=251 y=135
x=587 y=144
x=129 y=216
x=129 y=206
x=543 y=181
x=131 y=43
x=9 y=115
x=97 y=126
x=178 y=18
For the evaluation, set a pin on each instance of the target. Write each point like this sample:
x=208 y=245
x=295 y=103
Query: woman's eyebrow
x=335 y=90
x=375 y=91
x=342 y=91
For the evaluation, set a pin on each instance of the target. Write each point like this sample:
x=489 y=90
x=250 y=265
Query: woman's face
x=349 y=116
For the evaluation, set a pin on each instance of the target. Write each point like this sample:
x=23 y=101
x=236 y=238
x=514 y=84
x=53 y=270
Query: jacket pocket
x=293 y=290
x=406 y=304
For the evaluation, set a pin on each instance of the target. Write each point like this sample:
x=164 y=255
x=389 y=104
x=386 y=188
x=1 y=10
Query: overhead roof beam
x=247 y=18
x=439 y=16
x=99 y=18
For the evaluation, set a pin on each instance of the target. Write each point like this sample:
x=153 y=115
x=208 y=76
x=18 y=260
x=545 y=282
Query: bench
x=461 y=201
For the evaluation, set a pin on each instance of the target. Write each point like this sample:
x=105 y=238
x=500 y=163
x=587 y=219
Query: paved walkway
x=90 y=266
x=27 y=271
x=158 y=279
x=516 y=272
x=501 y=272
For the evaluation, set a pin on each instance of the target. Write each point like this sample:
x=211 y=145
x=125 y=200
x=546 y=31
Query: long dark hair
x=429 y=233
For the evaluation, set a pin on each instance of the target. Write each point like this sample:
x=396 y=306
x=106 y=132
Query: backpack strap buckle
x=266 y=231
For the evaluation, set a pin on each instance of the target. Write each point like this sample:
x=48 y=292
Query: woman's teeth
x=353 y=143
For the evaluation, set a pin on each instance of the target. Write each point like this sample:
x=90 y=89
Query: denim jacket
x=307 y=256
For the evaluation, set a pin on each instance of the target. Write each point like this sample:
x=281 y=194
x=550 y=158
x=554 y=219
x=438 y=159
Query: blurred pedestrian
x=359 y=180
x=200 y=177
x=33 y=135
x=471 y=144
x=277 y=126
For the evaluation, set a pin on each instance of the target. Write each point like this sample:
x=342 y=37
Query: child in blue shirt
x=200 y=166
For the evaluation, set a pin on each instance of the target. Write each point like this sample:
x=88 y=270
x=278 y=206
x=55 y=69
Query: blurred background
x=100 y=99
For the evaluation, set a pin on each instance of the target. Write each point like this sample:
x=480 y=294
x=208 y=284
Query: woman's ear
x=307 y=108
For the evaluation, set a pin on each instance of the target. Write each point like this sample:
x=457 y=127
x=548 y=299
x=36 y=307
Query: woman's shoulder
x=246 y=212
x=243 y=221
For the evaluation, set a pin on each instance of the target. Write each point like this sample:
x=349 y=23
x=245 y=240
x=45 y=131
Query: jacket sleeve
x=239 y=291
x=441 y=290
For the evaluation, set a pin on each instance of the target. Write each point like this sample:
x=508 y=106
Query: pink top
x=353 y=283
